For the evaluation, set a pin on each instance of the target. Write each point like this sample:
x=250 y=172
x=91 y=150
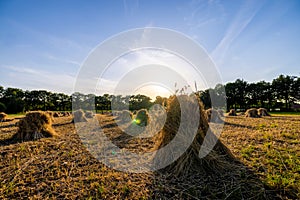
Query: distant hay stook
x=142 y=117
x=252 y=112
x=216 y=160
x=2 y=116
x=50 y=113
x=125 y=116
x=56 y=114
x=263 y=112
x=213 y=115
x=35 y=125
x=221 y=112
x=232 y=112
x=79 y=116
x=89 y=114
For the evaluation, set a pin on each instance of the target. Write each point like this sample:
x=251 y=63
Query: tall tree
x=252 y=95
x=241 y=92
x=296 y=89
x=283 y=88
x=231 y=98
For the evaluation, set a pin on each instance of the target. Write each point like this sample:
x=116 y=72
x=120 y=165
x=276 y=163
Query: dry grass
x=62 y=168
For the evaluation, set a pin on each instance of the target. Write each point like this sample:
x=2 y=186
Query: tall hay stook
x=190 y=161
x=35 y=125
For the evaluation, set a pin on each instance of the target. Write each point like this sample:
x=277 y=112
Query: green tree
x=241 y=92
x=252 y=96
x=13 y=100
x=1 y=92
x=139 y=101
x=231 y=98
x=283 y=89
x=2 y=107
x=204 y=96
x=218 y=96
x=296 y=89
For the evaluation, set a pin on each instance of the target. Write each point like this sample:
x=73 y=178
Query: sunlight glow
x=153 y=91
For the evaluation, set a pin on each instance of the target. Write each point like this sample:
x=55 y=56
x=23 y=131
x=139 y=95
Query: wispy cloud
x=62 y=60
x=239 y=24
x=33 y=79
x=29 y=78
x=130 y=6
x=202 y=13
x=49 y=39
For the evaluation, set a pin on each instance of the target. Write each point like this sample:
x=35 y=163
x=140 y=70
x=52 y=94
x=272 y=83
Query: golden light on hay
x=35 y=125
x=218 y=159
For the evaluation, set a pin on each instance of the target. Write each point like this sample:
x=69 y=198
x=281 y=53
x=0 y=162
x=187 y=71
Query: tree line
x=14 y=100
x=282 y=93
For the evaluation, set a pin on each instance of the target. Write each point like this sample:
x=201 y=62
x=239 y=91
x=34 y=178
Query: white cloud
x=238 y=25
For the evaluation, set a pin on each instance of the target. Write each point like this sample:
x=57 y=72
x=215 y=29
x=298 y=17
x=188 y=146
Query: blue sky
x=43 y=43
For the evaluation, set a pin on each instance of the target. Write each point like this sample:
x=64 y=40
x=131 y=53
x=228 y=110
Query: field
x=268 y=149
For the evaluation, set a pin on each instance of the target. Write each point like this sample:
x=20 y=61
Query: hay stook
x=2 y=116
x=124 y=116
x=263 y=112
x=35 y=125
x=142 y=117
x=56 y=114
x=232 y=112
x=252 y=112
x=216 y=160
x=89 y=114
x=79 y=116
x=213 y=115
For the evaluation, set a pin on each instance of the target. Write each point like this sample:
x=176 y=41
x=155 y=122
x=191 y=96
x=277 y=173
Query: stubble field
x=61 y=168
